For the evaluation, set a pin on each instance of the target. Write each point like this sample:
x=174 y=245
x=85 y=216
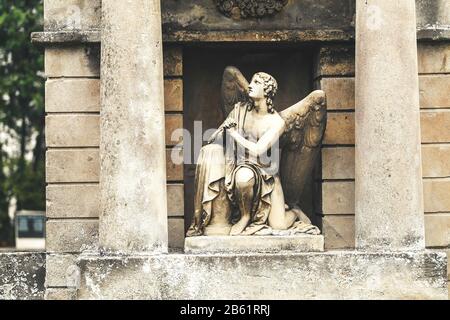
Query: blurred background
x=22 y=141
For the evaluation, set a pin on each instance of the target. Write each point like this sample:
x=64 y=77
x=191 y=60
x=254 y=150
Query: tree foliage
x=22 y=148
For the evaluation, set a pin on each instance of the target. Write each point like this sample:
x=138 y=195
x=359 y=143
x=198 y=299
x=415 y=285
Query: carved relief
x=242 y=9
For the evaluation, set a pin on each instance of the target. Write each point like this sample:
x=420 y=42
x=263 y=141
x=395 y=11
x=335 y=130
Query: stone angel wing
x=234 y=89
x=301 y=143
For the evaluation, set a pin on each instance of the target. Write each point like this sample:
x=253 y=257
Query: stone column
x=388 y=173
x=132 y=148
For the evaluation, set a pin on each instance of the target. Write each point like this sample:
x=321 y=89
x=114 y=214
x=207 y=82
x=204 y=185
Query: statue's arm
x=264 y=143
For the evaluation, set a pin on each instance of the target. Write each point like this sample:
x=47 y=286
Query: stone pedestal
x=253 y=244
x=388 y=173
x=132 y=148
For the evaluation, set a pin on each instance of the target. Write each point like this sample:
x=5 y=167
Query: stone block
x=325 y=275
x=72 y=130
x=176 y=233
x=435 y=126
x=69 y=15
x=173 y=94
x=174 y=124
x=434 y=91
x=175 y=200
x=260 y=244
x=173 y=61
x=77 y=165
x=340 y=93
x=338 y=163
x=72 y=61
x=436 y=193
x=71 y=235
x=73 y=201
x=339 y=231
x=22 y=276
x=338 y=197
x=72 y=95
x=174 y=158
x=340 y=129
x=335 y=61
x=433 y=57
x=436 y=160
x=437 y=230
x=61 y=294
x=58 y=270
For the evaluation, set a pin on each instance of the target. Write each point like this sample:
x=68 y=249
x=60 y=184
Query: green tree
x=21 y=108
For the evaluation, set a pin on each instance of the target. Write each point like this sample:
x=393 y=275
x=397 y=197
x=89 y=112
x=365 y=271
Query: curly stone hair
x=270 y=89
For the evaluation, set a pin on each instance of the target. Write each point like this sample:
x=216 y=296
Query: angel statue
x=249 y=186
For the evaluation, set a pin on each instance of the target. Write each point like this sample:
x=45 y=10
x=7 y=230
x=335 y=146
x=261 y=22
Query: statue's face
x=256 y=88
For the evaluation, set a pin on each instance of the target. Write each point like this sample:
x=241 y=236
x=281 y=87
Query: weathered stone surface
x=173 y=94
x=72 y=14
x=338 y=163
x=252 y=244
x=133 y=180
x=340 y=93
x=78 y=165
x=72 y=130
x=73 y=201
x=22 y=276
x=71 y=235
x=66 y=37
x=433 y=57
x=436 y=195
x=297 y=15
x=61 y=294
x=340 y=128
x=176 y=233
x=173 y=61
x=339 y=231
x=174 y=122
x=174 y=168
x=336 y=61
x=388 y=167
x=437 y=230
x=74 y=61
x=436 y=160
x=175 y=200
x=433 y=14
x=58 y=270
x=72 y=95
x=329 y=275
x=338 y=197
x=434 y=91
x=435 y=126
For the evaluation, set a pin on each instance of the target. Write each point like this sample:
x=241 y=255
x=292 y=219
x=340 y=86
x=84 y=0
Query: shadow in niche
x=291 y=66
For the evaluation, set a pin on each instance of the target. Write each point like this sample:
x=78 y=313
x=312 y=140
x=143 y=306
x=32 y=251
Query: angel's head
x=263 y=86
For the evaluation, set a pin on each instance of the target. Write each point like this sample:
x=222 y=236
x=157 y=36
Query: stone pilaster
x=388 y=173
x=132 y=145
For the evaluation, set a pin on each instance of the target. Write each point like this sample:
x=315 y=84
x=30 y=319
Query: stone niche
x=292 y=66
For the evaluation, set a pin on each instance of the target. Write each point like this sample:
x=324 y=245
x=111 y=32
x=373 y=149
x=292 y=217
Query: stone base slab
x=254 y=244
x=328 y=275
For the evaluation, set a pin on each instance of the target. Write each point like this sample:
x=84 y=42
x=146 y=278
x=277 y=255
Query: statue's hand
x=229 y=123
